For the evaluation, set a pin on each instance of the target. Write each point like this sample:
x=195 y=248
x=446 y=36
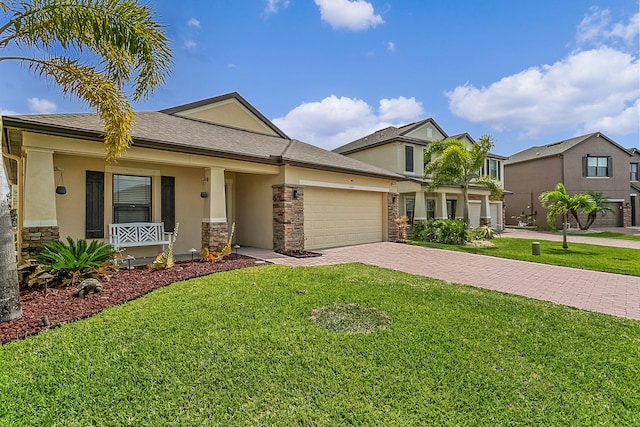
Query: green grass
x=239 y=348
x=610 y=235
x=579 y=255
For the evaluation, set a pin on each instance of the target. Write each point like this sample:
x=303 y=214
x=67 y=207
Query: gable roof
x=219 y=99
x=161 y=131
x=386 y=135
x=555 y=148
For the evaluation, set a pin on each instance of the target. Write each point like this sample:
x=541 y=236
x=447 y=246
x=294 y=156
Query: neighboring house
x=204 y=165
x=401 y=150
x=585 y=163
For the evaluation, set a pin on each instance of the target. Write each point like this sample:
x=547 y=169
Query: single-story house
x=204 y=165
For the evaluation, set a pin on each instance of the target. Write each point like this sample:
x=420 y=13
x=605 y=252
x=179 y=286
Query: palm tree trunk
x=565 y=245
x=9 y=288
x=465 y=199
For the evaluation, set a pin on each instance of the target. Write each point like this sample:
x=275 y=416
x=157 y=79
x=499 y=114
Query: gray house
x=592 y=162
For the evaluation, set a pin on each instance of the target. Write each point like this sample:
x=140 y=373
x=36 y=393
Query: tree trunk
x=465 y=199
x=9 y=288
x=565 y=245
x=574 y=213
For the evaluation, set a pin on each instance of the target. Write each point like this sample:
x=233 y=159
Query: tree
x=62 y=39
x=559 y=203
x=602 y=208
x=450 y=162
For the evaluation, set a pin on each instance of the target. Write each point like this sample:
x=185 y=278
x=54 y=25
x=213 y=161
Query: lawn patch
x=350 y=318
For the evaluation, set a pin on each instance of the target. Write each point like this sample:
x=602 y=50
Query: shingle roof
x=168 y=132
x=554 y=149
x=385 y=135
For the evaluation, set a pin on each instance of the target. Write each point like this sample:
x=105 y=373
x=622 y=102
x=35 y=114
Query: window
x=491 y=167
x=431 y=208
x=598 y=166
x=409 y=208
x=408 y=158
x=94 y=205
x=634 y=171
x=131 y=199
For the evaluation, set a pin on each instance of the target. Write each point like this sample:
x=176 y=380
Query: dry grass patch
x=350 y=318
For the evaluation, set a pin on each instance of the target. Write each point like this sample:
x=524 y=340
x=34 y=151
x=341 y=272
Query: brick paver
x=608 y=293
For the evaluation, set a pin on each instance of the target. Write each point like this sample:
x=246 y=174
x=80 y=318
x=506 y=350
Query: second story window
x=408 y=158
x=492 y=168
x=634 y=171
x=598 y=166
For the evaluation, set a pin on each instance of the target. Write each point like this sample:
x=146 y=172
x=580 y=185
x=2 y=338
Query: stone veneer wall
x=626 y=215
x=393 y=211
x=288 y=217
x=214 y=234
x=34 y=237
x=485 y=221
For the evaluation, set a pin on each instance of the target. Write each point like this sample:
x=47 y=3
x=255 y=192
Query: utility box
x=535 y=248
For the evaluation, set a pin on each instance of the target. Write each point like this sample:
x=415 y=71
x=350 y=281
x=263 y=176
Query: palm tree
x=602 y=208
x=61 y=39
x=450 y=162
x=559 y=203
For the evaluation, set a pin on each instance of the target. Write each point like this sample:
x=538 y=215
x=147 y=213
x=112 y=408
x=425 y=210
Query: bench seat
x=135 y=234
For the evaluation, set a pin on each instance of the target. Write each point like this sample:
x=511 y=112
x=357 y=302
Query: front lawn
x=579 y=255
x=609 y=235
x=239 y=348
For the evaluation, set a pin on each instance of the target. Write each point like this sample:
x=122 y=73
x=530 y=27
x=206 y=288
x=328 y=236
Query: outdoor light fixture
x=193 y=251
x=60 y=188
x=295 y=194
x=203 y=193
x=236 y=247
x=129 y=258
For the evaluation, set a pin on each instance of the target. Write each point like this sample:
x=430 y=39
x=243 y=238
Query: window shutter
x=408 y=158
x=609 y=166
x=94 y=224
x=168 y=202
x=584 y=166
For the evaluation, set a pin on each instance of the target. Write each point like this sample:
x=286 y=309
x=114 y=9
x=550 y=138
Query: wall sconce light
x=295 y=194
x=203 y=193
x=393 y=199
x=60 y=188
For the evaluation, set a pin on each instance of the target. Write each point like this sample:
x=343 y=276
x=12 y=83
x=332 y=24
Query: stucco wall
x=254 y=209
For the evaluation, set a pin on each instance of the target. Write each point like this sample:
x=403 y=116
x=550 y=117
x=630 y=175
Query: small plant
x=402 y=227
x=75 y=261
x=165 y=259
x=484 y=232
x=524 y=220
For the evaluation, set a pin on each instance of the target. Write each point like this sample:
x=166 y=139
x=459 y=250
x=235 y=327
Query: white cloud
x=8 y=113
x=596 y=29
x=336 y=121
x=354 y=15
x=193 y=22
x=232 y=66
x=190 y=44
x=273 y=6
x=574 y=93
x=41 y=106
x=391 y=46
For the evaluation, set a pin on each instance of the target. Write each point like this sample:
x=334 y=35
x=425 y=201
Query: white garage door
x=341 y=217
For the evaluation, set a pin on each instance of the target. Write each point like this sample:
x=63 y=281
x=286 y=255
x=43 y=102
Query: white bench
x=138 y=234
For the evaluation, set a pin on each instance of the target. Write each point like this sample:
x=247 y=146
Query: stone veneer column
x=34 y=237
x=626 y=215
x=214 y=234
x=393 y=212
x=288 y=217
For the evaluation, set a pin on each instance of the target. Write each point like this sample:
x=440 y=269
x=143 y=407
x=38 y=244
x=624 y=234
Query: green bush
x=447 y=231
x=484 y=232
x=73 y=262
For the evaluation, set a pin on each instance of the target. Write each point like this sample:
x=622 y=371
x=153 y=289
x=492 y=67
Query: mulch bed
x=299 y=253
x=62 y=306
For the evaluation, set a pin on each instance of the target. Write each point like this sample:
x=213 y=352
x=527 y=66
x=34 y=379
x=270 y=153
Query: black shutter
x=408 y=158
x=94 y=228
x=168 y=202
x=609 y=166
x=584 y=166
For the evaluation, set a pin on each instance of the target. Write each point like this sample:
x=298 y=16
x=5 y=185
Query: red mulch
x=62 y=306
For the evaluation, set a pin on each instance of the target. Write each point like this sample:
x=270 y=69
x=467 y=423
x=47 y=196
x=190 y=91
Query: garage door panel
x=335 y=217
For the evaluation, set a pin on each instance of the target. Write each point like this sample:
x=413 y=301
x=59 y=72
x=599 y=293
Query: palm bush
x=484 y=232
x=71 y=263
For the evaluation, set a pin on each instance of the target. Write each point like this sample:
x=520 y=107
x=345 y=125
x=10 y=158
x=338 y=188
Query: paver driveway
x=613 y=294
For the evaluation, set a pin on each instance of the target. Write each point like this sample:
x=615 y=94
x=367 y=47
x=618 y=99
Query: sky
x=328 y=72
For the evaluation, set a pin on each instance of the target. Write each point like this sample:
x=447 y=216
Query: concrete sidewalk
x=608 y=293
x=579 y=237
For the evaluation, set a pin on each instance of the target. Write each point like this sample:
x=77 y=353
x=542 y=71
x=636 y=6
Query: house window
x=491 y=167
x=94 y=205
x=597 y=166
x=431 y=208
x=408 y=158
x=634 y=171
x=409 y=208
x=131 y=199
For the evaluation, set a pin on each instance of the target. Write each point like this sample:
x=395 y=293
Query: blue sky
x=330 y=71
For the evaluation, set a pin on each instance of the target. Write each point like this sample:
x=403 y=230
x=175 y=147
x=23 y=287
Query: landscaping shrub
x=484 y=232
x=76 y=261
x=447 y=231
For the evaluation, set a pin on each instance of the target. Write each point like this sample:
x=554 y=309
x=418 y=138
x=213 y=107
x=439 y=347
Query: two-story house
x=401 y=150
x=585 y=163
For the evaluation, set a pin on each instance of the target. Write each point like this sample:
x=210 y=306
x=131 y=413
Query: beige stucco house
x=204 y=165
x=401 y=150
x=592 y=162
